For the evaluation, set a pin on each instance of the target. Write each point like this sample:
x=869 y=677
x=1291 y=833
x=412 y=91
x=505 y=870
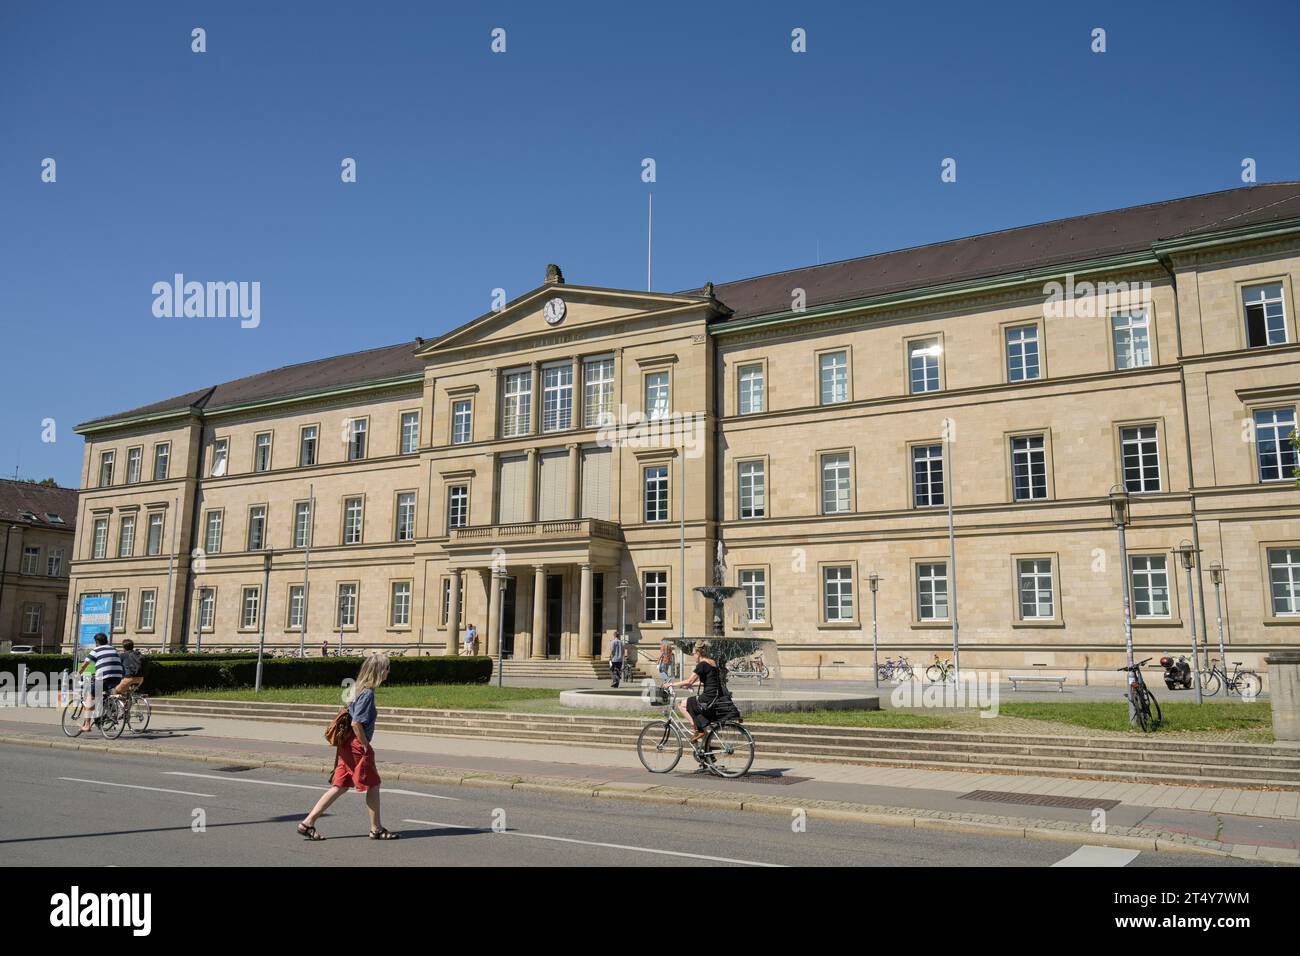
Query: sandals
x=309 y=833
x=383 y=833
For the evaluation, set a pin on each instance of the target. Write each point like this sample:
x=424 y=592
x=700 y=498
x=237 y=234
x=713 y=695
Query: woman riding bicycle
x=700 y=708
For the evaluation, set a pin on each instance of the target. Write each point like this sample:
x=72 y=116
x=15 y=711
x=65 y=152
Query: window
x=126 y=537
x=656 y=395
x=1131 y=332
x=516 y=403
x=148 y=606
x=1028 y=468
x=401 y=604
x=1034 y=576
x=31 y=560
x=153 y=541
x=598 y=393
x=295 y=618
x=1273 y=448
x=836 y=488
x=100 y=548
x=457 y=506
x=406 y=516
x=250 y=608
x=32 y=619
x=347 y=606
x=302 y=524
x=357 y=438
x=106 y=468
x=833 y=373
x=307 y=446
x=557 y=398
x=753 y=581
x=1284 y=580
x=257 y=528
x=262 y=452
x=462 y=422
x=927 y=476
x=655 y=590
x=134 y=456
x=220 y=456
x=445 y=608
x=1022 y=353
x=1140 y=457
x=923 y=365
x=1265 y=315
x=162 y=454
x=837 y=594
x=751 y=389
x=207 y=608
x=352 y=518
x=656 y=493
x=54 y=563
x=932 y=591
x=212 y=533
x=119 y=610
x=410 y=432
x=753 y=489
x=1150 y=577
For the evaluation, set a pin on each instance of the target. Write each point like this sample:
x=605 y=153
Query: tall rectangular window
x=1284 y=580
x=32 y=614
x=1150 y=581
x=148 y=608
x=753 y=489
x=400 y=604
x=1131 y=332
x=462 y=422
x=106 y=459
x=598 y=393
x=1273 y=448
x=751 y=389
x=347 y=606
x=119 y=610
x=220 y=457
x=927 y=476
x=153 y=543
x=837 y=594
x=557 y=397
x=250 y=607
x=352 y=517
x=410 y=433
x=1265 y=315
x=1029 y=468
x=932 y=591
x=833 y=374
x=1141 y=458
x=457 y=506
x=1022 y=353
x=836 y=483
x=54 y=563
x=656 y=395
x=307 y=445
x=295 y=617
x=100 y=547
x=262 y=452
x=134 y=458
x=207 y=608
x=753 y=581
x=357 y=429
x=31 y=560
x=655 y=589
x=1034 y=576
x=212 y=533
x=923 y=365
x=516 y=403
x=302 y=524
x=162 y=454
x=656 y=493
x=126 y=537
x=257 y=528
x=406 y=516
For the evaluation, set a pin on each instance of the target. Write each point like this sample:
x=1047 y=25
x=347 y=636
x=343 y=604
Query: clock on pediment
x=554 y=311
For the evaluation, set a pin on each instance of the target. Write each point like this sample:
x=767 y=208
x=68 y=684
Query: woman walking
x=354 y=765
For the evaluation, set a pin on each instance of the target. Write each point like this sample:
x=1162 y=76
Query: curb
x=1135 y=838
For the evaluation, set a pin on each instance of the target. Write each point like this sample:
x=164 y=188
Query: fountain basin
x=747 y=699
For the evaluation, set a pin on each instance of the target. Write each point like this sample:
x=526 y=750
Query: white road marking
x=1099 y=856
x=132 y=786
x=297 y=786
x=609 y=846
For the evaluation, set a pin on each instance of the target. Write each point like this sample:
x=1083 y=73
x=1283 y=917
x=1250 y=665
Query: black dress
x=700 y=707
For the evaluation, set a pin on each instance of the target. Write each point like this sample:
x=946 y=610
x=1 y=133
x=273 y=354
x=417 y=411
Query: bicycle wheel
x=729 y=750
x=71 y=720
x=934 y=674
x=1249 y=685
x=659 y=746
x=1153 y=707
x=1210 y=683
x=138 y=716
x=905 y=672
x=1141 y=716
x=112 y=718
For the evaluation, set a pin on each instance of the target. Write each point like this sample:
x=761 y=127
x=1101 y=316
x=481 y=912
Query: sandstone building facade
x=37 y=526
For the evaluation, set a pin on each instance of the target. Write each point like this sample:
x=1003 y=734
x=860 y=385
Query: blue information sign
x=96 y=618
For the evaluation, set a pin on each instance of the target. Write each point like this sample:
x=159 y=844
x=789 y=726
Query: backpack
x=339 y=732
x=724 y=708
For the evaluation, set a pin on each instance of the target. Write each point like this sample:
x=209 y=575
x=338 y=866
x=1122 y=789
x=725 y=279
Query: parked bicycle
x=940 y=671
x=753 y=666
x=727 y=750
x=899 y=670
x=1146 y=709
x=1248 y=684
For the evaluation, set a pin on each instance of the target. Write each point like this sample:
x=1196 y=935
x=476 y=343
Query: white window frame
x=838 y=605
x=162 y=456
x=32 y=622
x=1285 y=560
x=835 y=469
x=1139 y=447
x=655 y=493
x=54 y=563
x=751 y=489
x=753 y=582
x=516 y=402
x=1273 y=308
x=598 y=392
x=1023 y=455
x=107 y=459
x=751 y=389
x=557 y=397
x=399 y=604
x=1144 y=572
x=126 y=536
x=462 y=421
x=347 y=606
x=262 y=452
x=927 y=374
x=1273 y=449
x=457 y=506
x=833 y=377
x=932 y=591
x=207 y=608
x=134 y=464
x=153 y=544
x=1131 y=338
x=99 y=540
x=257 y=520
x=212 y=529
x=302 y=524
x=410 y=433
x=354 y=519
x=927 y=470
x=250 y=607
x=294 y=615
x=658 y=395
x=655 y=597
x=1024 y=361
x=220 y=458
x=308 y=445
x=147 y=612
x=31 y=560
x=358 y=438
x=405 y=509
x=1035 y=578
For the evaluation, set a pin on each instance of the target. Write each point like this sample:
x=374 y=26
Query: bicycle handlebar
x=1133 y=667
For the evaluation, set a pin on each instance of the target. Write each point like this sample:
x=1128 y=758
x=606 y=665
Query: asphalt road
x=73 y=808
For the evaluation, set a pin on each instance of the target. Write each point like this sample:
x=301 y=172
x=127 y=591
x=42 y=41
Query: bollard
x=1284 y=695
x=22 y=685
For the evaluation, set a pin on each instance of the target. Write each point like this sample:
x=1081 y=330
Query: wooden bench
x=1017 y=679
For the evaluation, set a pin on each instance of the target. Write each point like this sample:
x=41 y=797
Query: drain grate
x=235 y=768
x=774 y=776
x=1040 y=800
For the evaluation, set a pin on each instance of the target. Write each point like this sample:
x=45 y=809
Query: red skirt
x=355 y=767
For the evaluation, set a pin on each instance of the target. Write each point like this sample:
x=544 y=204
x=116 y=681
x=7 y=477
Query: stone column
x=539 y=612
x=574 y=471
x=1284 y=695
x=530 y=505
x=488 y=636
x=453 y=614
x=584 y=615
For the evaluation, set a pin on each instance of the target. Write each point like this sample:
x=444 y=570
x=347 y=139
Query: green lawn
x=1179 y=716
x=451 y=696
x=905 y=719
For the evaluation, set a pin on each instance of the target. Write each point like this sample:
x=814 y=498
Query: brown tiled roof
x=1080 y=239
x=26 y=502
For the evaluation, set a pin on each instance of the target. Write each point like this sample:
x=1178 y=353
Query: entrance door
x=508 y=619
x=554 y=613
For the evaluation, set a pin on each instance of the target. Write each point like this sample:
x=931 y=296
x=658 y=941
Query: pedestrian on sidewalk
x=324 y=648
x=471 y=636
x=354 y=763
x=665 y=661
x=616 y=659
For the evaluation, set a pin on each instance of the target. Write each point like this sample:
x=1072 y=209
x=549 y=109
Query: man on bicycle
x=132 y=669
x=108 y=674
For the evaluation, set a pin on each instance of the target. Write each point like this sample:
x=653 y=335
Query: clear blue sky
x=476 y=169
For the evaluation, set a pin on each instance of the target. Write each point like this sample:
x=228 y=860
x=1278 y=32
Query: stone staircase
x=568 y=670
x=1135 y=759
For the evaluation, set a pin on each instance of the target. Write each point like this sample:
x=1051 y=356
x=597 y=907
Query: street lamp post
x=1187 y=552
x=1119 y=514
x=261 y=628
x=1216 y=576
x=501 y=624
x=873 y=581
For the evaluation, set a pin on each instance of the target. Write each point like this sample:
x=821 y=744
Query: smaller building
x=37 y=525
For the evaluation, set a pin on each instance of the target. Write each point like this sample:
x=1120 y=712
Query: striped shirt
x=108 y=665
